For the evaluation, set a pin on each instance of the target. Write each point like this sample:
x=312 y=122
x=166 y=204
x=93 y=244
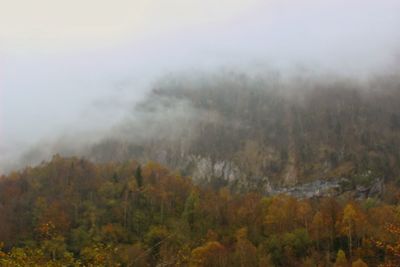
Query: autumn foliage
x=72 y=212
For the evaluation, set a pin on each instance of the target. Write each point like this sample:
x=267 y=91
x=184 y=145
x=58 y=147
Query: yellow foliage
x=359 y=263
x=210 y=254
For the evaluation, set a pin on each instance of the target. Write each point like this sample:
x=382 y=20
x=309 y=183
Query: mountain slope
x=73 y=212
x=252 y=132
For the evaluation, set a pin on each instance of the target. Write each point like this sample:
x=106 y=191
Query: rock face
x=318 y=188
x=226 y=173
x=375 y=189
x=204 y=169
x=332 y=188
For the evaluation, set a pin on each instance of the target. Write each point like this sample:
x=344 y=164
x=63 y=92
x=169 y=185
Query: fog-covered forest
x=200 y=133
x=220 y=170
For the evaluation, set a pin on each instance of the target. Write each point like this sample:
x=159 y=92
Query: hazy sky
x=77 y=65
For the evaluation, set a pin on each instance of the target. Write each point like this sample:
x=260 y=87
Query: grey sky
x=79 y=65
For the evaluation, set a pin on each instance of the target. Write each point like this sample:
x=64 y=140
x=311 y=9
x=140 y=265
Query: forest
x=251 y=131
x=223 y=169
x=188 y=133
x=73 y=212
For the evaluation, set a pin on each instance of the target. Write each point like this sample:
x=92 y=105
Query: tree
x=210 y=254
x=139 y=177
x=99 y=255
x=304 y=213
x=281 y=214
x=297 y=243
x=392 y=249
x=29 y=256
x=189 y=212
x=341 y=260
x=245 y=251
x=359 y=263
x=353 y=225
x=330 y=210
x=317 y=228
x=349 y=217
x=132 y=255
x=155 y=238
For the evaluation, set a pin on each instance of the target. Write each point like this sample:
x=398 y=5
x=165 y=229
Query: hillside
x=263 y=132
x=72 y=212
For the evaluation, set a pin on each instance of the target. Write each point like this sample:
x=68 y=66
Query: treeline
x=72 y=212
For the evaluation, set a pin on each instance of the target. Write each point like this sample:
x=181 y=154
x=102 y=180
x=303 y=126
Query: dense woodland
x=218 y=140
x=282 y=130
x=72 y=212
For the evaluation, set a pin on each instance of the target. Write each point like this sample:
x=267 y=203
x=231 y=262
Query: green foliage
x=99 y=255
x=365 y=178
x=298 y=242
x=154 y=239
x=189 y=212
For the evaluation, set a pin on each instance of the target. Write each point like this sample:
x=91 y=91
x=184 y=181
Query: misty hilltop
x=259 y=131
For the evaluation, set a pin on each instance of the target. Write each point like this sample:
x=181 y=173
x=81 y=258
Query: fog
x=71 y=73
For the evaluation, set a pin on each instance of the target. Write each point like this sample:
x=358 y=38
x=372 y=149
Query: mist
x=66 y=88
